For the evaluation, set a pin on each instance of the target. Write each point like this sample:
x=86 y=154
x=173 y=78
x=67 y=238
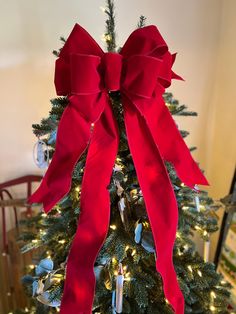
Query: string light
x=44 y=215
x=42 y=232
x=182 y=184
x=126 y=248
x=62 y=241
x=77 y=189
x=205 y=233
x=197 y=228
x=103 y=9
x=106 y=37
x=113 y=259
x=212 y=308
x=115 y=272
x=26 y=309
x=177 y=234
x=190 y=268
x=31 y=266
x=186 y=247
x=213 y=295
x=57 y=309
x=202 y=207
x=199 y=273
x=34 y=241
x=133 y=252
x=185 y=207
x=167 y=302
x=113 y=227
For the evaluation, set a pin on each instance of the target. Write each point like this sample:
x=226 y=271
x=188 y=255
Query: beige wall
x=202 y=32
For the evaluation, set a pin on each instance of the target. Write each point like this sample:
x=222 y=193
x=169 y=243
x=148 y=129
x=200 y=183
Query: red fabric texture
x=141 y=71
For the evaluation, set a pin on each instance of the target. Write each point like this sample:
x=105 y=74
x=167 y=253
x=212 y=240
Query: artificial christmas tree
x=142 y=221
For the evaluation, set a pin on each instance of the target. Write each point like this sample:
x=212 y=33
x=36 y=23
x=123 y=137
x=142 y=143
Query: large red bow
x=141 y=71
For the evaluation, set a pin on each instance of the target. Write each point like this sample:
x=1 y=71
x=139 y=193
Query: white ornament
x=41 y=154
x=121 y=206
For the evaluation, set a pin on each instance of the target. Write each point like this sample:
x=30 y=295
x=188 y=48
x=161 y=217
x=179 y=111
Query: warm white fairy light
x=212 y=308
x=186 y=247
x=115 y=272
x=57 y=309
x=167 y=302
x=197 y=228
x=42 y=232
x=199 y=273
x=31 y=266
x=190 y=268
x=113 y=227
x=180 y=253
x=26 y=309
x=202 y=207
x=177 y=234
x=102 y=9
x=213 y=295
x=44 y=215
x=185 y=207
x=126 y=248
x=133 y=252
x=106 y=37
x=62 y=241
x=113 y=259
x=205 y=233
x=182 y=184
x=34 y=241
x=77 y=189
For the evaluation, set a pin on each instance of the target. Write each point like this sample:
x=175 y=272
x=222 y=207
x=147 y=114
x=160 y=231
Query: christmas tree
x=126 y=277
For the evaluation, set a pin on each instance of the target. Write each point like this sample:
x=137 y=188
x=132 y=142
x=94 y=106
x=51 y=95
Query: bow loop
x=145 y=41
x=140 y=75
x=84 y=74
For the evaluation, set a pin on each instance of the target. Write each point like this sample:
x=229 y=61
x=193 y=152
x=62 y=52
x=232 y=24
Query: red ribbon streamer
x=141 y=71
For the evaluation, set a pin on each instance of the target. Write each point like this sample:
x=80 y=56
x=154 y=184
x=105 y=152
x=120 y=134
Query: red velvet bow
x=141 y=71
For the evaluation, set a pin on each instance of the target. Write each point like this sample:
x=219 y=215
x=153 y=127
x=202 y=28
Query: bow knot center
x=112 y=66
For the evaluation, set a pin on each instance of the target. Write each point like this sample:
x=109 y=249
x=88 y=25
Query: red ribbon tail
x=170 y=142
x=94 y=218
x=159 y=199
x=72 y=139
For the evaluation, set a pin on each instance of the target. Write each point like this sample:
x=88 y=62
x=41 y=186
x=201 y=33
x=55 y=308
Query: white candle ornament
x=206 y=250
x=119 y=289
